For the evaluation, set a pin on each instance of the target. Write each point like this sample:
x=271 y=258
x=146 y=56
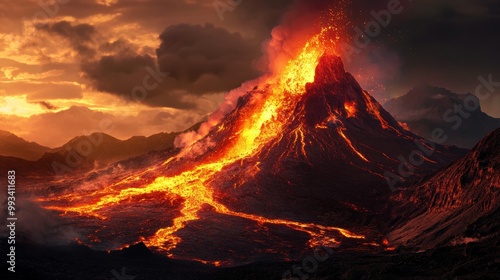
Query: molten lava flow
x=374 y=110
x=350 y=108
x=350 y=145
x=267 y=120
x=300 y=71
x=255 y=129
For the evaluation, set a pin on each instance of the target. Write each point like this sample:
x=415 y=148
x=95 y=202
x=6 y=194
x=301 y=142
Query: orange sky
x=64 y=68
x=43 y=94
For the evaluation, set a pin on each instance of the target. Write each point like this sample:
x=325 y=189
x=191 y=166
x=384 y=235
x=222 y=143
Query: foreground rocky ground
x=71 y=262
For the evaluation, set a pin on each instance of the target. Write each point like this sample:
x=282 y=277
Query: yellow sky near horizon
x=40 y=76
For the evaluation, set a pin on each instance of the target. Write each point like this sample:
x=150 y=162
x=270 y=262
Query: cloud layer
x=199 y=60
x=86 y=53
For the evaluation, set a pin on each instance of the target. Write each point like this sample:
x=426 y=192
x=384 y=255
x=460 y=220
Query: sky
x=140 y=67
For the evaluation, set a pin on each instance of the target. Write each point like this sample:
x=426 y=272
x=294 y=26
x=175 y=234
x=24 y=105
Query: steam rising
x=38 y=225
x=286 y=41
x=189 y=138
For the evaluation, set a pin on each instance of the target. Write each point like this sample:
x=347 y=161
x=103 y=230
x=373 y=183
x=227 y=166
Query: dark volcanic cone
x=282 y=173
x=331 y=159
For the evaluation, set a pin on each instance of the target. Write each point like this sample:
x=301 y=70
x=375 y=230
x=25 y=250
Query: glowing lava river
x=187 y=179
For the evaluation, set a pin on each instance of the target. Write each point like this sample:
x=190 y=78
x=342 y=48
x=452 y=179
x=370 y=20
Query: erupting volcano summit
x=298 y=163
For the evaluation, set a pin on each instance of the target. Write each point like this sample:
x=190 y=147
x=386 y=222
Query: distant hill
x=426 y=108
x=85 y=153
x=14 y=146
x=105 y=149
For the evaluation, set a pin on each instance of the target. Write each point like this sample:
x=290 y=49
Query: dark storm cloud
x=453 y=31
x=118 y=46
x=257 y=17
x=120 y=74
x=199 y=60
x=206 y=59
x=80 y=35
x=447 y=44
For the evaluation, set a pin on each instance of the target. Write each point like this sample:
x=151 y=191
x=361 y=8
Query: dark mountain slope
x=457 y=204
x=13 y=146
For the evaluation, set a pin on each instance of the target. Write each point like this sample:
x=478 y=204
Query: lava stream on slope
x=261 y=121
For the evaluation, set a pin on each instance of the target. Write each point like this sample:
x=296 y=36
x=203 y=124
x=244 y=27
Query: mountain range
x=80 y=154
x=427 y=108
x=14 y=146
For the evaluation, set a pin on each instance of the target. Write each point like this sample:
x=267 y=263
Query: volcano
x=300 y=162
x=335 y=148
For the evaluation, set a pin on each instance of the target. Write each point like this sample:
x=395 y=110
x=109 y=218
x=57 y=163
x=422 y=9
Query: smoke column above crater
x=327 y=21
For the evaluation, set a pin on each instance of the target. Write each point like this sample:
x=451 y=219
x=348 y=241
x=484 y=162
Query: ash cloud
x=206 y=59
x=200 y=60
x=286 y=39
